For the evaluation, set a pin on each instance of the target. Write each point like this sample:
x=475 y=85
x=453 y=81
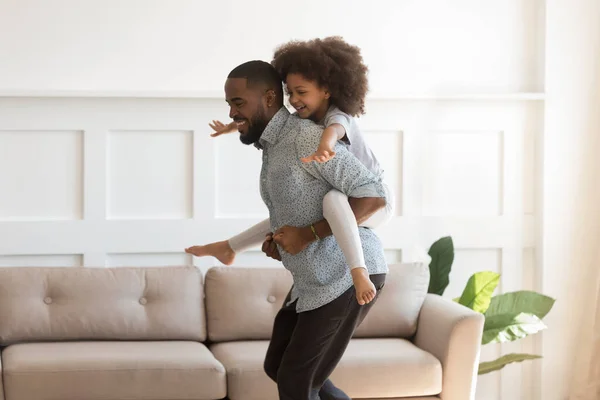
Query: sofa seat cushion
x=370 y=368
x=112 y=370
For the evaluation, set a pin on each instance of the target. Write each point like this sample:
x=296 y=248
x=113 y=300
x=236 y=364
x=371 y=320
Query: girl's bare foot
x=220 y=250
x=365 y=289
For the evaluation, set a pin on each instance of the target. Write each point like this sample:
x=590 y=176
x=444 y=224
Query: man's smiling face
x=246 y=108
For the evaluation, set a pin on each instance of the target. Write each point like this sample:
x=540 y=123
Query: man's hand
x=293 y=240
x=270 y=248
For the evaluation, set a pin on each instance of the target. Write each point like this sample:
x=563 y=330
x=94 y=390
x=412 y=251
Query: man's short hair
x=259 y=73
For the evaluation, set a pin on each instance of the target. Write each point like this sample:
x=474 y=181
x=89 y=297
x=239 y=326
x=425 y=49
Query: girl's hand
x=220 y=128
x=323 y=154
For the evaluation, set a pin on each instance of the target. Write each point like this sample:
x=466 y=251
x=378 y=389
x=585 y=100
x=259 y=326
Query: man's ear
x=270 y=97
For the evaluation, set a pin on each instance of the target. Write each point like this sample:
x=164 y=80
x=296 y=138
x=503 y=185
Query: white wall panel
x=41 y=175
x=148 y=259
x=149 y=175
x=463 y=174
x=387 y=147
x=42 y=260
x=236 y=169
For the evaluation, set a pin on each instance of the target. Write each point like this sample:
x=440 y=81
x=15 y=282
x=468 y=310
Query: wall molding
x=182 y=94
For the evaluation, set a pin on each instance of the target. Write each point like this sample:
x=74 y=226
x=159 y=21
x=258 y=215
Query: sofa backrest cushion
x=397 y=309
x=241 y=302
x=134 y=303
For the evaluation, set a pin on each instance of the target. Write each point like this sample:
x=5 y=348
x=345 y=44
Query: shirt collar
x=272 y=132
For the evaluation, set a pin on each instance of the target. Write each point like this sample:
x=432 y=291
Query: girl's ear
x=327 y=94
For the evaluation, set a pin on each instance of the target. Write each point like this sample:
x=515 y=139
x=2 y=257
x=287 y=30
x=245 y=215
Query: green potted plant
x=508 y=317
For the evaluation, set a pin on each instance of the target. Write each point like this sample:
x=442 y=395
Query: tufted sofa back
x=55 y=304
x=241 y=303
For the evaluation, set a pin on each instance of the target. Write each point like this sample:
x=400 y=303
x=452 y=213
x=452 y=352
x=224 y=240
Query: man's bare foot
x=220 y=250
x=365 y=289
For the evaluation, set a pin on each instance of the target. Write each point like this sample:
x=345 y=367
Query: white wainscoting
x=119 y=181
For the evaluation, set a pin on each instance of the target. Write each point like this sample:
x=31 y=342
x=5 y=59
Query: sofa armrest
x=452 y=333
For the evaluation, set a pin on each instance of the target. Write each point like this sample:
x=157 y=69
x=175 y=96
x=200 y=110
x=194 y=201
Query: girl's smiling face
x=307 y=97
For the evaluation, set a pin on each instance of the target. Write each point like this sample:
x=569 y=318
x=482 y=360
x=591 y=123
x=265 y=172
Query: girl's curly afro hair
x=333 y=64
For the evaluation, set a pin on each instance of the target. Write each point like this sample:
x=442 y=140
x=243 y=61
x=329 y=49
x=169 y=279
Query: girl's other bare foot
x=365 y=289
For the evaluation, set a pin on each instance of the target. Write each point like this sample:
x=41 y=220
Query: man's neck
x=270 y=113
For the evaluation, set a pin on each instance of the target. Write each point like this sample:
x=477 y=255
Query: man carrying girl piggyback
x=326 y=81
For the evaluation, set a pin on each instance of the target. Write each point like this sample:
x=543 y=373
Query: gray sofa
x=169 y=334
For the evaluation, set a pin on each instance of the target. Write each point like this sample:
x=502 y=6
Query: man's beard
x=255 y=128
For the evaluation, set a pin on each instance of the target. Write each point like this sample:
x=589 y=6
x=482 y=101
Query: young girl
x=326 y=80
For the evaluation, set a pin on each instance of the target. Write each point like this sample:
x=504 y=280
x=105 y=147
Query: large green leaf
x=442 y=257
x=501 y=328
x=478 y=292
x=491 y=366
x=520 y=302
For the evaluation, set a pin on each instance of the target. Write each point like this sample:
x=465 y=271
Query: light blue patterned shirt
x=293 y=192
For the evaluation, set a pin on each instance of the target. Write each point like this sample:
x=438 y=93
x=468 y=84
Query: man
x=320 y=314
